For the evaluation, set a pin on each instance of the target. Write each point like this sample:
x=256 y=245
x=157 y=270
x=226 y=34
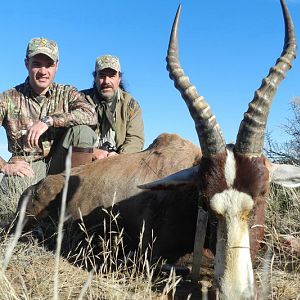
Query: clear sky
x=226 y=48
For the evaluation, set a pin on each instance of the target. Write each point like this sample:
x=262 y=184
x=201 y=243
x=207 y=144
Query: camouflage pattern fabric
x=42 y=46
x=11 y=187
x=107 y=61
x=20 y=107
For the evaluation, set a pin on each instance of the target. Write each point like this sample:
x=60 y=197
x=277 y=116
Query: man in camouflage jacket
x=120 y=125
x=41 y=116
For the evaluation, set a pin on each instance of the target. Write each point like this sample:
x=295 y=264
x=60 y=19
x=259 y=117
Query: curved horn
x=209 y=132
x=251 y=134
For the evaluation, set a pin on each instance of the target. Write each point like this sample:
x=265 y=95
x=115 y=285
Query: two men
x=42 y=119
x=120 y=126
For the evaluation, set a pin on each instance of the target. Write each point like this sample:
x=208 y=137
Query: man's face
x=107 y=82
x=41 y=71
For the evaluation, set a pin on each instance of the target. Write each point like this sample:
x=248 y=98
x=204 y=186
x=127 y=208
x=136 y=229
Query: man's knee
x=80 y=136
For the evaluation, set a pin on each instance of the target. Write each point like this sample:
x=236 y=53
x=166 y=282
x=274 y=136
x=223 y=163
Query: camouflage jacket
x=20 y=107
x=129 y=134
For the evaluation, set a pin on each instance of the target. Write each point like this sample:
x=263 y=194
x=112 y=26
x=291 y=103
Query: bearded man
x=120 y=125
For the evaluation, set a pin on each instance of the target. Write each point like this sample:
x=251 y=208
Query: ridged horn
x=250 y=138
x=209 y=133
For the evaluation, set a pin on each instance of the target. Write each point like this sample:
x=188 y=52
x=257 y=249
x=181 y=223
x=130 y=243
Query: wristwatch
x=46 y=120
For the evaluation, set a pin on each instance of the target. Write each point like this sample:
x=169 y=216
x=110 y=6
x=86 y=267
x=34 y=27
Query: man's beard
x=108 y=96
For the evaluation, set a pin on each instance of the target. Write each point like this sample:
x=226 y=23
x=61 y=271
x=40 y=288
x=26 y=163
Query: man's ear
x=26 y=61
x=120 y=77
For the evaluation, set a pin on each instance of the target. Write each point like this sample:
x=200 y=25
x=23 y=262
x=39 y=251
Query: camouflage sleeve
x=134 y=141
x=78 y=112
x=2 y=108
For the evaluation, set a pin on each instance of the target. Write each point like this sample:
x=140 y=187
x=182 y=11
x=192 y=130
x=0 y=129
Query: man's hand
x=99 y=154
x=34 y=132
x=19 y=168
x=112 y=154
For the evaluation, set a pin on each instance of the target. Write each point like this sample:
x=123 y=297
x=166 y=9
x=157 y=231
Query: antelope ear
x=183 y=178
x=285 y=175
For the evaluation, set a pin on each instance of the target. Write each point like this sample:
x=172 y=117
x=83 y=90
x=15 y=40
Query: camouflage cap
x=107 y=61
x=42 y=46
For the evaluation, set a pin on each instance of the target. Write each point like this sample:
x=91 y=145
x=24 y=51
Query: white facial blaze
x=230 y=168
x=233 y=266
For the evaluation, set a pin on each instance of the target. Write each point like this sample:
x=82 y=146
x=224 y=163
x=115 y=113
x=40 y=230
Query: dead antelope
x=233 y=180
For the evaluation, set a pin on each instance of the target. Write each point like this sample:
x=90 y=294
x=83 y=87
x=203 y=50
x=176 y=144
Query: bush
x=288 y=152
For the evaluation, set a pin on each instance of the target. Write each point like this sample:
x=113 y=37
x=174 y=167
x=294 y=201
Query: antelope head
x=233 y=180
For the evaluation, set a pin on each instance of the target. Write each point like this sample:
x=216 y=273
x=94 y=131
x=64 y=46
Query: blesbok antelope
x=232 y=180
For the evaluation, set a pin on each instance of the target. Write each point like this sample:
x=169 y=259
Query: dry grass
x=279 y=267
x=32 y=272
x=35 y=273
x=30 y=276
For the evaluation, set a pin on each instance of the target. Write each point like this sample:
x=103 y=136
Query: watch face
x=46 y=120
